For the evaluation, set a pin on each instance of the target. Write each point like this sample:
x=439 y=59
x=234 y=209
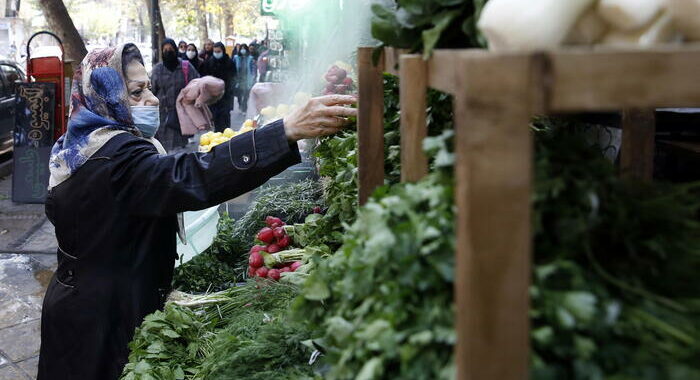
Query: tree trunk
x=202 y=21
x=62 y=25
x=228 y=19
x=159 y=24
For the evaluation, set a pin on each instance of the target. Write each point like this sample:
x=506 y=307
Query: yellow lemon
x=282 y=110
x=268 y=112
x=204 y=140
x=217 y=135
x=248 y=123
x=228 y=132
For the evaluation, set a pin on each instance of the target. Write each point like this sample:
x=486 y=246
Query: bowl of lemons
x=211 y=139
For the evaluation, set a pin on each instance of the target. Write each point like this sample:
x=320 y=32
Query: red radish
x=273 y=248
x=273 y=274
x=251 y=271
x=261 y=272
x=348 y=82
x=341 y=75
x=266 y=235
x=341 y=89
x=295 y=265
x=256 y=260
x=284 y=242
x=317 y=210
x=285 y=269
x=257 y=248
x=271 y=221
x=279 y=232
x=277 y=224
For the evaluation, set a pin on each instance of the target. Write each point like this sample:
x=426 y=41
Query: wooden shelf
x=495 y=97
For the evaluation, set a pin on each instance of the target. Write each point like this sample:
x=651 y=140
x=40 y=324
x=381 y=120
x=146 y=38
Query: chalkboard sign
x=33 y=138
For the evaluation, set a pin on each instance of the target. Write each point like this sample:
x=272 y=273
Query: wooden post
x=498 y=97
x=637 y=154
x=370 y=124
x=414 y=84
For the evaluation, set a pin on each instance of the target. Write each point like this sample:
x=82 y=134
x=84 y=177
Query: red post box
x=50 y=70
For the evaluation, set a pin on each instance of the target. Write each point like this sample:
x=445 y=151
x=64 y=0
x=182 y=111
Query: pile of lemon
x=211 y=139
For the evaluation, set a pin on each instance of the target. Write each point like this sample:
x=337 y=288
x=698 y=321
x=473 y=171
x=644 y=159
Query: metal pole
x=155 y=38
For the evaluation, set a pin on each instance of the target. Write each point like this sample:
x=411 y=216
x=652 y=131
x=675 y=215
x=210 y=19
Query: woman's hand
x=321 y=116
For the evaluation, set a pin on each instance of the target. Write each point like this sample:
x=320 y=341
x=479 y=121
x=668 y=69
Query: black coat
x=224 y=69
x=116 y=229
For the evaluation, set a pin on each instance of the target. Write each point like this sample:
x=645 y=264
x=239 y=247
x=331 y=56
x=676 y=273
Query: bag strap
x=186 y=71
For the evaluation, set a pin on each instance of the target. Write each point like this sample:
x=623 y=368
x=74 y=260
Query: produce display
x=273 y=255
x=211 y=139
x=309 y=285
x=272 y=113
x=339 y=80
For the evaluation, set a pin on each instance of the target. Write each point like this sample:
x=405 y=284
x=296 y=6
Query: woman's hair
x=195 y=47
x=130 y=53
x=220 y=45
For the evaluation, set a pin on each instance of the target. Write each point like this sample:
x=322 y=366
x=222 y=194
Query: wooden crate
x=495 y=97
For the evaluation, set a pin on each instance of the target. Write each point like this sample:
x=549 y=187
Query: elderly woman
x=113 y=199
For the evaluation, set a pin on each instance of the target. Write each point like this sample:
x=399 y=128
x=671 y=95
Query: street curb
x=5 y=168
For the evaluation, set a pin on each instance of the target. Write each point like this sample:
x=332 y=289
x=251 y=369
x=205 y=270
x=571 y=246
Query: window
x=12 y=75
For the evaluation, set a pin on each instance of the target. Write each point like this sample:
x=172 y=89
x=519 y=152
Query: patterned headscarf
x=99 y=111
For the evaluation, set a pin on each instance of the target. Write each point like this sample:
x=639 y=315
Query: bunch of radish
x=339 y=83
x=271 y=257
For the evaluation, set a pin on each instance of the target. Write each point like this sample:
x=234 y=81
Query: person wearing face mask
x=208 y=50
x=169 y=77
x=219 y=65
x=113 y=199
x=192 y=55
x=182 y=50
x=246 y=73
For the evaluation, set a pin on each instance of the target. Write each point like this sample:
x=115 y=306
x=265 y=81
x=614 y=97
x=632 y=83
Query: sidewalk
x=27 y=261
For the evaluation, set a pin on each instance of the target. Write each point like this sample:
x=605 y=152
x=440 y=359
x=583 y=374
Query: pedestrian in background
x=182 y=50
x=208 y=49
x=192 y=55
x=246 y=72
x=168 y=78
x=263 y=62
x=219 y=65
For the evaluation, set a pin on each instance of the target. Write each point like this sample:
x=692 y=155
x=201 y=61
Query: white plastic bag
x=686 y=16
x=660 y=31
x=629 y=15
x=589 y=29
x=533 y=24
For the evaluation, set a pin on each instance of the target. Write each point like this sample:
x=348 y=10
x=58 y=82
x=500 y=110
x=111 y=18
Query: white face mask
x=244 y=51
x=182 y=50
x=218 y=55
x=146 y=119
x=191 y=54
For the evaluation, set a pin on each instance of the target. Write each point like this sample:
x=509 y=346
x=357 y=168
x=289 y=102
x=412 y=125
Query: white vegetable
x=629 y=15
x=659 y=31
x=589 y=29
x=531 y=24
x=686 y=16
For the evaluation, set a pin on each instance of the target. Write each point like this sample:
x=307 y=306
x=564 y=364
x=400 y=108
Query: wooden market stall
x=495 y=97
